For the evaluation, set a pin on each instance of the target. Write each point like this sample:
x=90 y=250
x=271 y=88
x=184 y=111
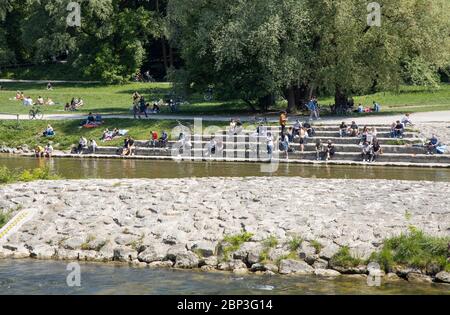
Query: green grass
x=116 y=99
x=268 y=244
x=8 y=176
x=233 y=243
x=294 y=243
x=4 y=217
x=317 y=246
x=414 y=249
x=68 y=132
x=344 y=258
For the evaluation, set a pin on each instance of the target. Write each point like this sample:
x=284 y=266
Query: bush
x=4 y=218
x=235 y=242
x=414 y=249
x=344 y=258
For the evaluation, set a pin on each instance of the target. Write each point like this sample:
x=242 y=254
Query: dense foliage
x=252 y=50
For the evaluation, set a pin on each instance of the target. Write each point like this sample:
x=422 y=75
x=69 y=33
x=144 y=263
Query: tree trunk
x=171 y=56
x=290 y=95
x=301 y=96
x=249 y=103
x=163 y=44
x=340 y=99
x=266 y=101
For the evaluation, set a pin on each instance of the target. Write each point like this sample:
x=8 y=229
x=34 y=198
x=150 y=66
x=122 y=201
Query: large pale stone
x=290 y=266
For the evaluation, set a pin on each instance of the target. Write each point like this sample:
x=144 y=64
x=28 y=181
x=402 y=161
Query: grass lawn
x=68 y=132
x=116 y=99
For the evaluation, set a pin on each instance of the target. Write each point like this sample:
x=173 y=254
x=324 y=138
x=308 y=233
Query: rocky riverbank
x=263 y=225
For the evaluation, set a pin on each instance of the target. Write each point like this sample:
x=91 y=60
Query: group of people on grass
x=28 y=101
x=74 y=104
x=92 y=121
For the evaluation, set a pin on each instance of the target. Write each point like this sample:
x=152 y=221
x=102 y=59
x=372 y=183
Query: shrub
x=294 y=243
x=4 y=217
x=344 y=258
x=414 y=249
x=235 y=242
x=317 y=246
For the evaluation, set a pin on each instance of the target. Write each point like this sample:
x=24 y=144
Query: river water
x=128 y=168
x=43 y=277
x=46 y=277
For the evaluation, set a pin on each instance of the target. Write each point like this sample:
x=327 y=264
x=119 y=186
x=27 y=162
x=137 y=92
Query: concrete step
x=308 y=155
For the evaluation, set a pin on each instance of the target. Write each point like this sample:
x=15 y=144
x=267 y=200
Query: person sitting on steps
x=398 y=130
x=432 y=144
x=343 y=129
x=367 y=152
x=319 y=150
x=329 y=150
x=163 y=139
x=354 y=129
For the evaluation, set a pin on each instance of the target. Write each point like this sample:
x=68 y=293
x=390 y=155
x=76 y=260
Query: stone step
x=255 y=139
x=309 y=155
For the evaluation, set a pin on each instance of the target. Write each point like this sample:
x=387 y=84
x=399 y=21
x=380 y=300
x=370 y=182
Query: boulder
x=328 y=251
x=443 y=276
x=73 y=243
x=271 y=267
x=320 y=264
x=418 y=278
x=151 y=254
x=258 y=267
x=175 y=250
x=205 y=248
x=326 y=273
x=290 y=266
x=124 y=254
x=43 y=251
x=187 y=260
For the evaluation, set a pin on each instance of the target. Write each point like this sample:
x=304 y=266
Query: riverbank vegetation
x=415 y=249
x=8 y=176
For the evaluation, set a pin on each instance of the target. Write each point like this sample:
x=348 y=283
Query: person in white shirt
x=48 y=151
x=406 y=120
x=28 y=101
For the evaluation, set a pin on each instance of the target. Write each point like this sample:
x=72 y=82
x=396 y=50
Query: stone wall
x=181 y=222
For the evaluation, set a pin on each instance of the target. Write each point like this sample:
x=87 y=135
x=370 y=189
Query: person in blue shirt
x=432 y=144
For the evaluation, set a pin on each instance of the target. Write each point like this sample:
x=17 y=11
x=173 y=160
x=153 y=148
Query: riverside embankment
x=291 y=225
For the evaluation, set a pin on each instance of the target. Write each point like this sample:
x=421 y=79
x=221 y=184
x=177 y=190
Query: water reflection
x=128 y=168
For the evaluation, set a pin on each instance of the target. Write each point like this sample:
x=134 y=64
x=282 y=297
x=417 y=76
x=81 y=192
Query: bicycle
x=35 y=113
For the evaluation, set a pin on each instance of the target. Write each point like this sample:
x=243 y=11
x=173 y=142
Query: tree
x=247 y=49
x=251 y=49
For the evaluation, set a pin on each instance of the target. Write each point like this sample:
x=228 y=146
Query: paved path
x=425 y=117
